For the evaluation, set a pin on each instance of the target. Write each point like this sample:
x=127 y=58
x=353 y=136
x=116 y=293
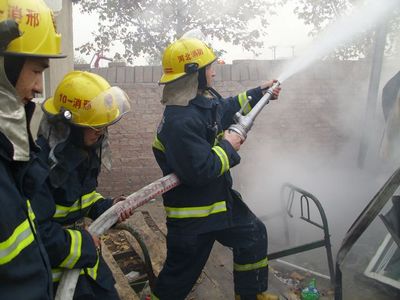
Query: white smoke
x=364 y=17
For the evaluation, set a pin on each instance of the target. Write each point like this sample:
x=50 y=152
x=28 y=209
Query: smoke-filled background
x=311 y=138
x=322 y=147
x=316 y=148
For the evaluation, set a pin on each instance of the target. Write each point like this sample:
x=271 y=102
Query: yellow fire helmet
x=37 y=28
x=185 y=56
x=87 y=100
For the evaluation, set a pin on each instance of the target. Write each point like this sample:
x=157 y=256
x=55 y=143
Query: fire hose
x=69 y=279
x=243 y=123
x=242 y=126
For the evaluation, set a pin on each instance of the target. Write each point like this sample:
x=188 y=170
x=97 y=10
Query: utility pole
x=273 y=48
x=373 y=90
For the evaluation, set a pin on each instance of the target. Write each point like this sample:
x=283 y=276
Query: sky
x=285 y=31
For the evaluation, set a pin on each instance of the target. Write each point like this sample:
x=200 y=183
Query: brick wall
x=308 y=118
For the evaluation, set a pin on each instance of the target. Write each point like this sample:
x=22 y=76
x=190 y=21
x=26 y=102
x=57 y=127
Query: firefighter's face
x=92 y=135
x=210 y=74
x=30 y=80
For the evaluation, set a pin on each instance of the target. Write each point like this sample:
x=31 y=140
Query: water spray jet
x=340 y=33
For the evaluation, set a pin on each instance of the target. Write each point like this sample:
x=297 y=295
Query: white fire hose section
x=69 y=279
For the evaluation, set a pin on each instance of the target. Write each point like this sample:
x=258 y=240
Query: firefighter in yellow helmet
x=193 y=142
x=28 y=38
x=73 y=137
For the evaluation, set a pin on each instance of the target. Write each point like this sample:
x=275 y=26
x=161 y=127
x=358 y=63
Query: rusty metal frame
x=305 y=200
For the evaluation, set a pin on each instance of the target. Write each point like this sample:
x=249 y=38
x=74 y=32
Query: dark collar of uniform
x=6 y=148
x=29 y=110
x=203 y=102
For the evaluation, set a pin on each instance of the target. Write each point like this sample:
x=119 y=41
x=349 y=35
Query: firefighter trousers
x=187 y=254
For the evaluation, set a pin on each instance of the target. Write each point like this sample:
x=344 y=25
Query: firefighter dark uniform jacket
x=188 y=143
x=73 y=183
x=24 y=265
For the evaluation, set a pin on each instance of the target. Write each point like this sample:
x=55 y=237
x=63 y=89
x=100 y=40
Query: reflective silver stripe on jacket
x=242 y=102
x=74 y=251
x=87 y=200
x=223 y=157
x=21 y=238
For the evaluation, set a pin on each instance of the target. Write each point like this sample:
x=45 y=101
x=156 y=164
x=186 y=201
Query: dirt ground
x=128 y=263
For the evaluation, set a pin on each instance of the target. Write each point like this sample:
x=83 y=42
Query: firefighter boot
x=267 y=296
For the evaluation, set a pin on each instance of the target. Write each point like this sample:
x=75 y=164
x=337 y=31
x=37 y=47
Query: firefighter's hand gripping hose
x=68 y=281
x=244 y=123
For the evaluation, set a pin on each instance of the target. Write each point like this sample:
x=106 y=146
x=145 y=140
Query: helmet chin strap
x=63 y=116
x=13 y=66
x=203 y=84
x=213 y=92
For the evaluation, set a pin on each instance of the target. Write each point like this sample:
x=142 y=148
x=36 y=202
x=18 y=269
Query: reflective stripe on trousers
x=249 y=267
x=223 y=157
x=195 y=212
